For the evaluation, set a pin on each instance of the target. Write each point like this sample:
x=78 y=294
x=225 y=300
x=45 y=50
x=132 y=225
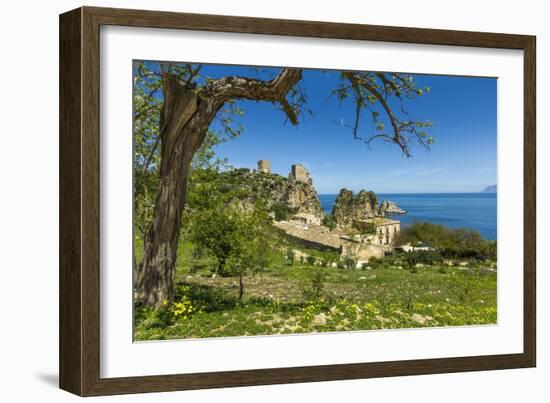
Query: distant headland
x=490 y=189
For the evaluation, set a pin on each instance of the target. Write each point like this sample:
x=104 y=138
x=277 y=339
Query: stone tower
x=299 y=173
x=264 y=167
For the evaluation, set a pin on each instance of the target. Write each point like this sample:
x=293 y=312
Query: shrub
x=328 y=221
x=423 y=257
x=313 y=283
x=376 y=263
x=327 y=258
x=281 y=211
x=349 y=262
x=311 y=260
x=452 y=243
x=290 y=257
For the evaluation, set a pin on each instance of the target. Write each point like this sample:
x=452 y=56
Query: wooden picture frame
x=79 y=346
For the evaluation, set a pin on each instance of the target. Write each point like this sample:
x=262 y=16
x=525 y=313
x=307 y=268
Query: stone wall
x=367 y=251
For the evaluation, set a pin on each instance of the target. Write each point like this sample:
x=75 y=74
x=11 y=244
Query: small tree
x=252 y=247
x=313 y=284
x=214 y=230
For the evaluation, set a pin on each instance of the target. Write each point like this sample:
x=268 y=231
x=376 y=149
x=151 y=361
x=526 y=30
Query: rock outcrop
x=350 y=208
x=389 y=207
x=301 y=197
x=296 y=195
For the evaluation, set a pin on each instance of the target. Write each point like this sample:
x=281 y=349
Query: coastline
x=477 y=211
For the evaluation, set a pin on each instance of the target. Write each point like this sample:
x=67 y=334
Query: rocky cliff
x=275 y=191
x=350 y=208
x=300 y=197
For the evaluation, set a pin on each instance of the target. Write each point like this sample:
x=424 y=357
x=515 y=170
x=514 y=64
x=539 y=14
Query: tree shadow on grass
x=209 y=298
x=215 y=299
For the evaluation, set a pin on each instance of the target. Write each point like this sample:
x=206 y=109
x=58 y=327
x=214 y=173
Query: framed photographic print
x=249 y=201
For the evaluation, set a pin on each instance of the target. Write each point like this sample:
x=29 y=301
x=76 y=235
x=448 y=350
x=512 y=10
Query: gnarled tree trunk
x=185 y=119
x=180 y=137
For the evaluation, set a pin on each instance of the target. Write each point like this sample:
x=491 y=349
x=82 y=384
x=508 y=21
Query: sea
x=477 y=211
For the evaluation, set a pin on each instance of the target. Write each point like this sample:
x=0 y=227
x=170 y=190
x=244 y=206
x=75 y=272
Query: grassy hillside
x=302 y=298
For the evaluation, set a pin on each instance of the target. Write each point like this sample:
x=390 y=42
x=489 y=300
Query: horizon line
x=412 y=193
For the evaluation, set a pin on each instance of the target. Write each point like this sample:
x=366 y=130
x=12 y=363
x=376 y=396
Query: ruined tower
x=264 y=167
x=299 y=173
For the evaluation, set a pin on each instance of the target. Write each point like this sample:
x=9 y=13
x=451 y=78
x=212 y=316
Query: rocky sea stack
x=389 y=207
x=351 y=208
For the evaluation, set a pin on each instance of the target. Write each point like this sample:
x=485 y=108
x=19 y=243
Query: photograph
x=288 y=200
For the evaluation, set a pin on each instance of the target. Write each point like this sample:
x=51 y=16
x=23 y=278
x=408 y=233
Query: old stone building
x=362 y=248
x=386 y=231
x=264 y=167
x=307 y=218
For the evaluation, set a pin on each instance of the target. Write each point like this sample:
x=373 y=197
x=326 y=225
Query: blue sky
x=463 y=158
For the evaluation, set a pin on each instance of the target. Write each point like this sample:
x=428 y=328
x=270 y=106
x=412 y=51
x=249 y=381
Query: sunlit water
x=476 y=211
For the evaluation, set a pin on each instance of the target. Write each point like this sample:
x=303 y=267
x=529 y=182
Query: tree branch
x=402 y=131
x=276 y=90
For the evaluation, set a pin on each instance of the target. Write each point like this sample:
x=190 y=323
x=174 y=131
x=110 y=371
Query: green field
x=302 y=298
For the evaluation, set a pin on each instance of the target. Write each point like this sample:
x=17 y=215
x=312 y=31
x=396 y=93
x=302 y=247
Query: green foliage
x=348 y=262
x=281 y=211
x=455 y=243
x=182 y=308
x=365 y=228
x=242 y=242
x=328 y=258
x=290 y=256
x=148 y=100
x=329 y=221
x=239 y=241
x=373 y=199
x=428 y=257
x=374 y=93
x=377 y=263
x=311 y=260
x=313 y=283
x=147 y=106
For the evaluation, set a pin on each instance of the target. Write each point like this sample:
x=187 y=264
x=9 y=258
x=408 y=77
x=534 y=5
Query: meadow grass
x=279 y=300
